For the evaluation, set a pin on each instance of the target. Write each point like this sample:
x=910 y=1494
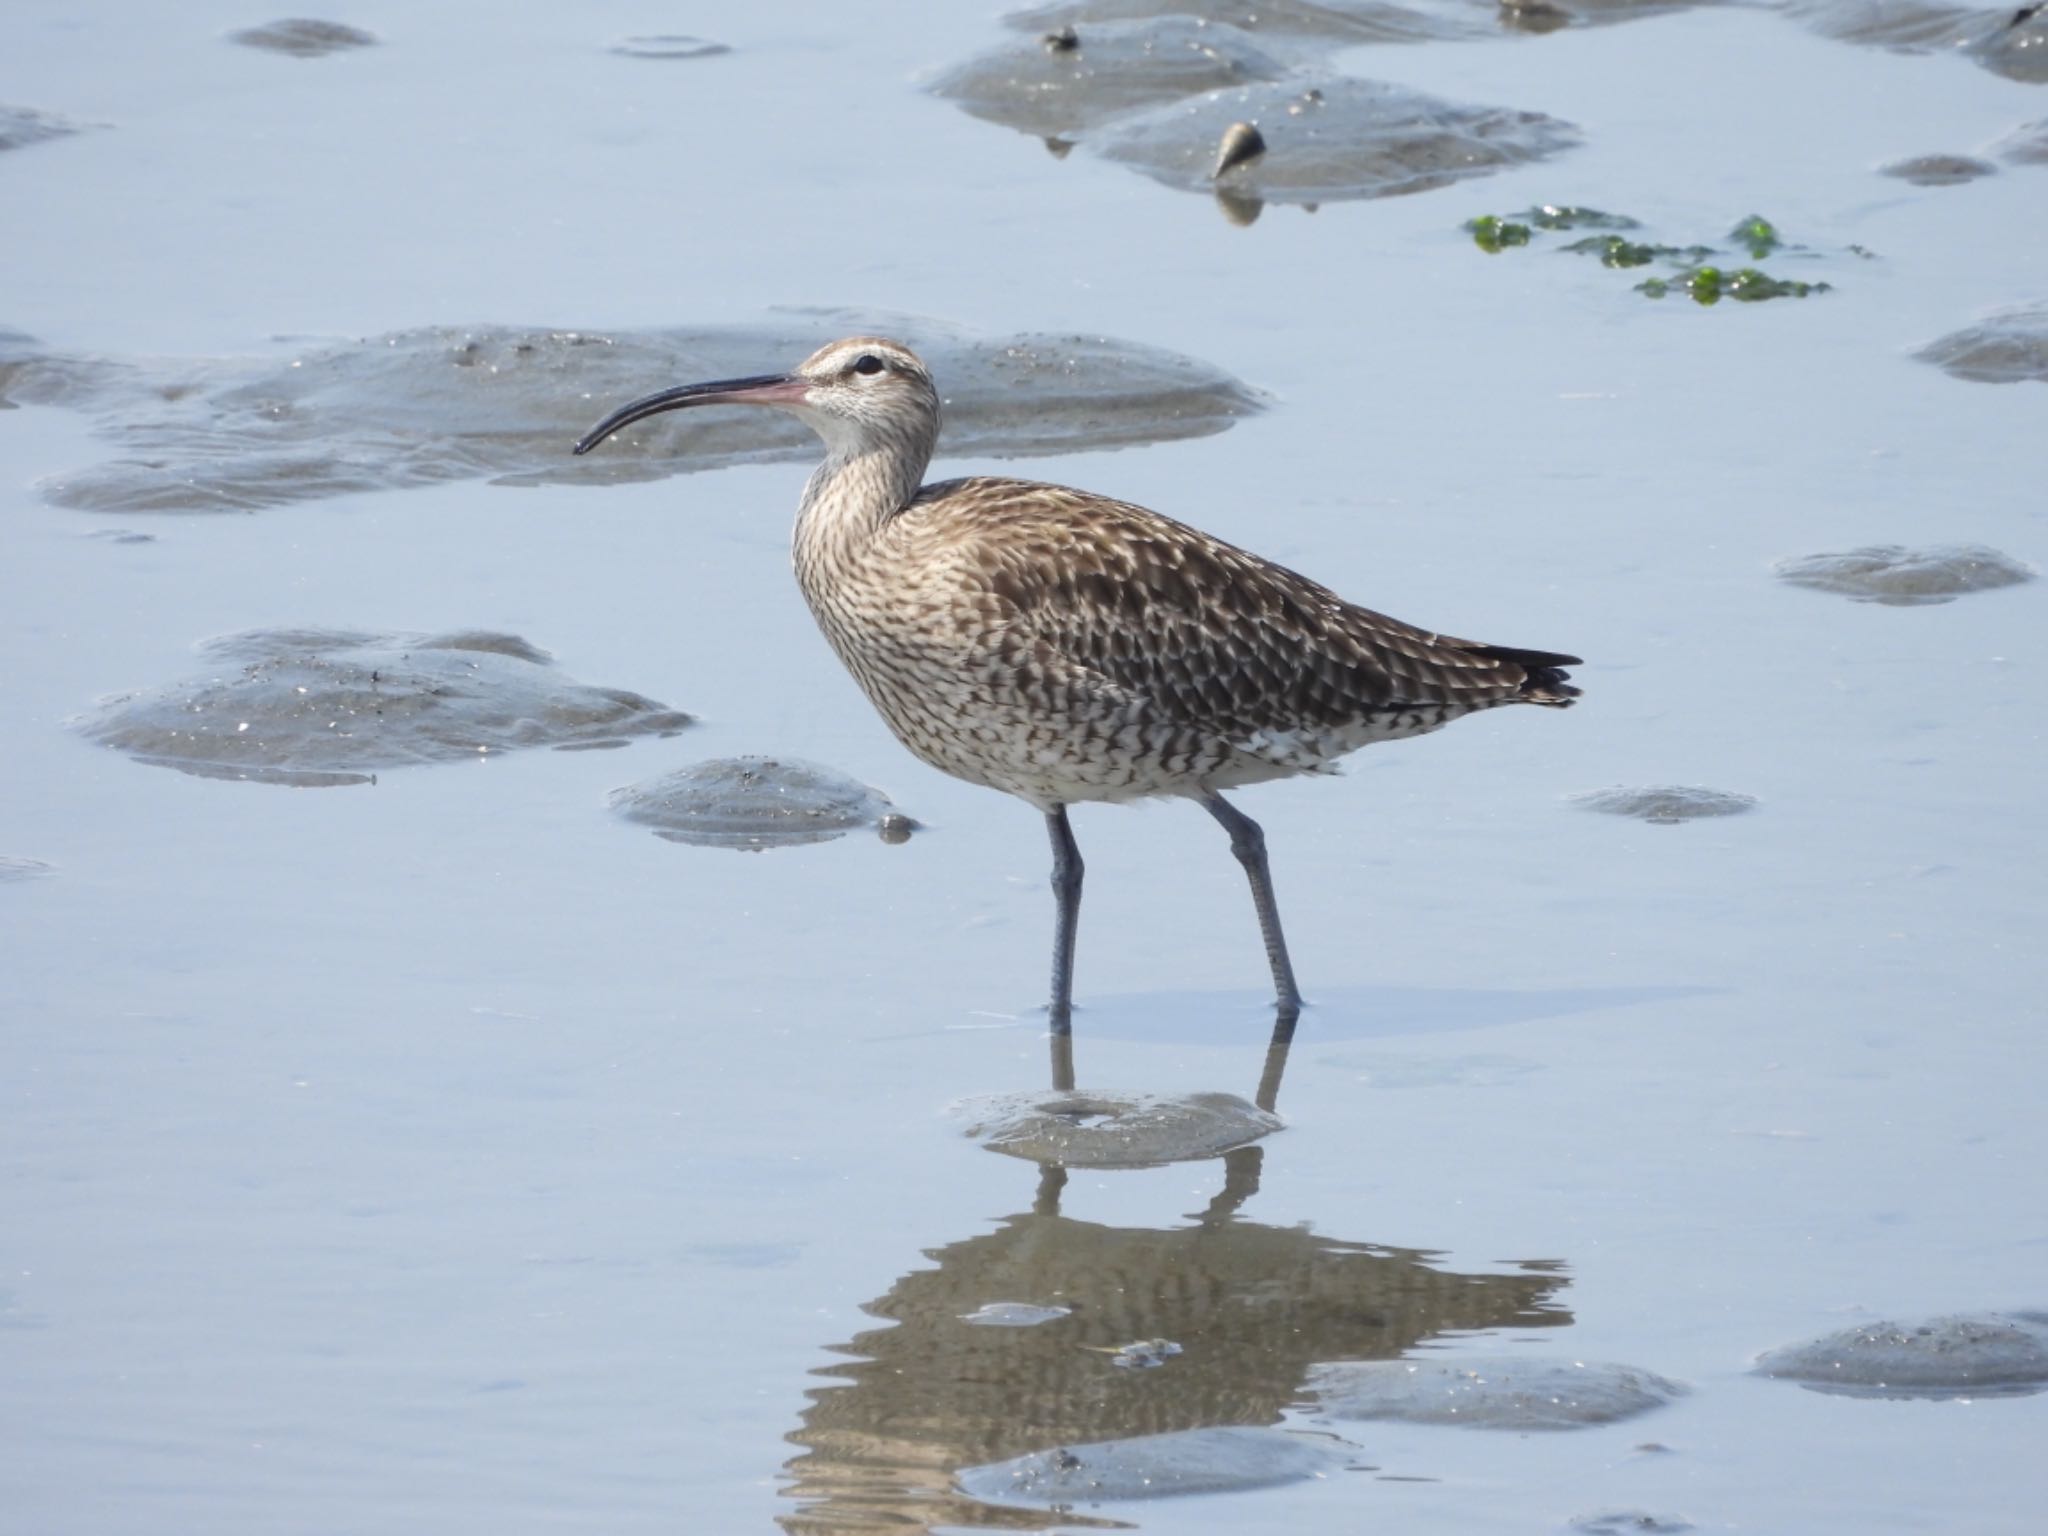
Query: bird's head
x=860 y=394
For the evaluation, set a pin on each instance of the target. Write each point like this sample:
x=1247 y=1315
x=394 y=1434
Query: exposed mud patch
x=1113 y=67
x=1902 y=577
x=1665 y=804
x=2007 y=40
x=1630 y=1522
x=2025 y=145
x=1013 y=1314
x=1236 y=100
x=2009 y=347
x=1221 y=1460
x=1329 y=138
x=1507 y=1392
x=304 y=38
x=317 y=708
x=23 y=126
x=504 y=403
x=1984 y=1354
x=1315 y=25
x=1939 y=170
x=753 y=803
x=1115 y=1130
x=669 y=46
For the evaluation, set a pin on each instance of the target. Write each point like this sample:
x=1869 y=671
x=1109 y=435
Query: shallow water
x=450 y=1153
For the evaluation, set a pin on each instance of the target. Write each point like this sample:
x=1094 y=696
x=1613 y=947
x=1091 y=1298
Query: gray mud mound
x=1551 y=15
x=13 y=868
x=2016 y=46
x=1213 y=98
x=303 y=37
x=1505 y=1392
x=1328 y=138
x=1114 y=1130
x=2025 y=145
x=1665 y=804
x=752 y=803
x=1013 y=1314
x=1319 y=25
x=2010 y=347
x=1113 y=67
x=1309 y=27
x=1629 y=1522
x=504 y=403
x=29 y=375
x=1939 y=170
x=315 y=708
x=1906 y=578
x=1221 y=1460
x=1983 y=1354
x=23 y=126
x=670 y=45
x=2008 y=40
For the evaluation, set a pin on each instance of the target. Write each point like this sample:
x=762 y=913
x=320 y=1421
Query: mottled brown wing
x=1212 y=635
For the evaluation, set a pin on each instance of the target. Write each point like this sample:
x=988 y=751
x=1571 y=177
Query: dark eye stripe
x=867 y=362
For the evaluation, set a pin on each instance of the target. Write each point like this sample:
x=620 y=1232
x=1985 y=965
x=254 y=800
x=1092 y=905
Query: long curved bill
x=762 y=389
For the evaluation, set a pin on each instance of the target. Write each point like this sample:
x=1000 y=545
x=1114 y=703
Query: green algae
x=1757 y=235
x=1614 y=251
x=1750 y=285
x=1494 y=235
x=1698 y=276
x=1710 y=285
x=1495 y=232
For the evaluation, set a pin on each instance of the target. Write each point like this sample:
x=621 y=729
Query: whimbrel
x=1064 y=647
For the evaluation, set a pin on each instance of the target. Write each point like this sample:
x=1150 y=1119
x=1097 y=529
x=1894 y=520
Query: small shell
x=1066 y=40
x=1241 y=142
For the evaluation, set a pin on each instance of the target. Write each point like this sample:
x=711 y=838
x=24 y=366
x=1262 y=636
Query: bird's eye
x=867 y=362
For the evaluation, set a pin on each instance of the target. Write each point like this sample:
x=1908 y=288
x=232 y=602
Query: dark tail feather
x=1547 y=682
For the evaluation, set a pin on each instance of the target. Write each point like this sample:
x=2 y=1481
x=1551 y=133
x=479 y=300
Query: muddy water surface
x=449 y=1153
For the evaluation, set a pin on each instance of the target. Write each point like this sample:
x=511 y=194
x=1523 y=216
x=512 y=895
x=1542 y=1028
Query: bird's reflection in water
x=1251 y=1307
x=1266 y=1096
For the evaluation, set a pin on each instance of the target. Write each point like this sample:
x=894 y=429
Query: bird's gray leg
x=1066 y=890
x=1249 y=844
